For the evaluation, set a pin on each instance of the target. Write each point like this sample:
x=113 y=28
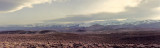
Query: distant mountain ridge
x=104 y=25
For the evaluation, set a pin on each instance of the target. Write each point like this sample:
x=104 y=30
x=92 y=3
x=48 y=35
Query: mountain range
x=94 y=26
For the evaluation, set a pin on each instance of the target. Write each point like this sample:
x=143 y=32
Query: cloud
x=96 y=6
x=114 y=6
x=81 y=6
x=143 y=11
x=14 y=5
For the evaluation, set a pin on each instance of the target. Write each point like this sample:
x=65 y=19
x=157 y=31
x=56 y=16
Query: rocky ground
x=73 y=45
x=143 y=39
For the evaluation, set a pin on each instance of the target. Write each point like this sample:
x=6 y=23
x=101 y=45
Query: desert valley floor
x=139 y=39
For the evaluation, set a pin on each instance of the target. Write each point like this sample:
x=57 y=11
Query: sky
x=22 y=12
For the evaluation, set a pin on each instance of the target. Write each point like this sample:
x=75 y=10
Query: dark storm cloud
x=14 y=5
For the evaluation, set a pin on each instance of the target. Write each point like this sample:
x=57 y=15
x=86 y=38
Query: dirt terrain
x=139 y=39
